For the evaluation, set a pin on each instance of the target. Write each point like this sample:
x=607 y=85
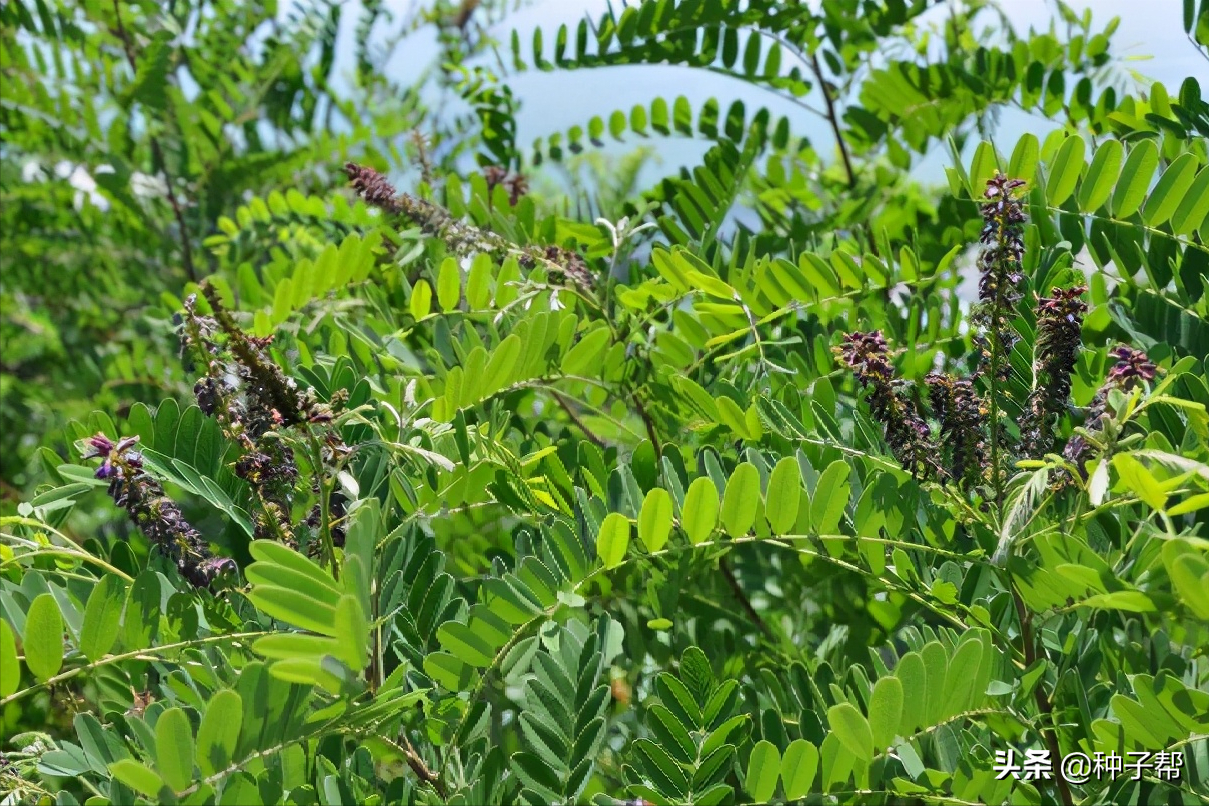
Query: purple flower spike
x=98 y=445
x=908 y=435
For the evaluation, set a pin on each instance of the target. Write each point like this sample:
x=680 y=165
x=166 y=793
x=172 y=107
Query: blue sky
x=1151 y=35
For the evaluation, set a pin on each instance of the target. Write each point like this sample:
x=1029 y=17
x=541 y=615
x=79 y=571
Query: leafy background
x=541 y=480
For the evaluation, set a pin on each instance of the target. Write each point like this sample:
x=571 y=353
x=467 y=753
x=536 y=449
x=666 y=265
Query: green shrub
x=742 y=498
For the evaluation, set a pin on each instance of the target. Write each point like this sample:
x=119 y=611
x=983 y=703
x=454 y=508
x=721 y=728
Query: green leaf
x=710 y=285
x=655 y=520
x=712 y=796
x=101 y=746
x=913 y=675
x=676 y=696
x=1190 y=575
x=43 y=637
x=741 y=501
x=536 y=773
x=137 y=776
x=584 y=356
x=352 y=632
x=10 y=666
x=1135 y=179
x=294 y=607
x=1025 y=156
x=730 y=415
x=279 y=559
x=464 y=644
x=699 y=513
x=478 y=282
x=102 y=617
x=671 y=734
x=984 y=166
x=763 y=771
x=1190 y=215
x=663 y=770
x=670 y=269
x=1064 y=174
x=852 y=729
x=447 y=670
x=613 y=539
x=1139 y=480
x=500 y=368
x=936 y=662
x=174 y=748
x=1190 y=504
x=830 y=497
x=1171 y=189
x=420 y=304
x=308 y=672
x=1129 y=601
x=151 y=81
x=885 y=711
x=784 y=495
x=959 y=680
x=295 y=645
x=449 y=284
x=697 y=673
x=218 y=734
x=240 y=789
x=1101 y=176
x=141 y=619
x=1142 y=728
x=799 y=766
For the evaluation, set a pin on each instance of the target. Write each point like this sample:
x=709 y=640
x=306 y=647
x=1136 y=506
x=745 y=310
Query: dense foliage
x=790 y=479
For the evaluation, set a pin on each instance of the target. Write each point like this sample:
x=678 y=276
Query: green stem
x=83 y=557
x=786 y=543
x=148 y=653
x=1044 y=706
x=521 y=633
x=996 y=471
x=325 y=497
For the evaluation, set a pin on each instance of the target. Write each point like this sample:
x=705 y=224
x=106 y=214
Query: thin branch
x=518 y=635
x=418 y=766
x=650 y=425
x=786 y=542
x=149 y=653
x=1043 y=703
x=1199 y=47
x=741 y=596
x=595 y=438
x=833 y=119
x=157 y=154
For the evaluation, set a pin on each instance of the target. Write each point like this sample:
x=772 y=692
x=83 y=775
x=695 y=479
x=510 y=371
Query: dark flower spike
x=1059 y=339
x=999 y=263
x=515 y=184
x=98 y=445
x=867 y=355
x=270 y=388
x=258 y=405
x=374 y=188
x=1132 y=367
x=463 y=238
x=956 y=404
x=152 y=511
x=246 y=391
